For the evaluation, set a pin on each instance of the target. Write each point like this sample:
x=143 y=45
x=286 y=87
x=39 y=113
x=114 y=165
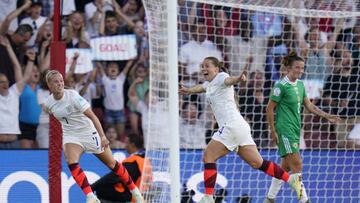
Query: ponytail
x=289 y=59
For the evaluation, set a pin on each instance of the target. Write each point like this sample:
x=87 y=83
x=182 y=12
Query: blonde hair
x=69 y=34
x=50 y=74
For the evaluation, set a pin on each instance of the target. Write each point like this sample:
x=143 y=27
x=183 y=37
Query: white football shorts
x=233 y=135
x=90 y=143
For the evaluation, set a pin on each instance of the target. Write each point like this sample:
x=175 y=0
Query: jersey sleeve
x=276 y=93
x=47 y=104
x=205 y=84
x=220 y=79
x=79 y=102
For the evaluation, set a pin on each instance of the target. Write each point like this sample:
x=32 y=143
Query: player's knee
x=296 y=166
x=71 y=160
x=207 y=158
x=111 y=164
x=255 y=164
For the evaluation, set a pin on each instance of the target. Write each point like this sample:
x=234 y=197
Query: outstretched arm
x=132 y=91
x=232 y=80
x=71 y=71
x=191 y=90
x=315 y=110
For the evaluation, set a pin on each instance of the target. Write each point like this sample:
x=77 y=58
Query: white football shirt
x=114 y=92
x=221 y=99
x=69 y=110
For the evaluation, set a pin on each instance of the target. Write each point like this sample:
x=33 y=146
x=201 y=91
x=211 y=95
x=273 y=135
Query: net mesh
x=258 y=33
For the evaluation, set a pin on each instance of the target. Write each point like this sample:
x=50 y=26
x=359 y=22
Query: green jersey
x=289 y=97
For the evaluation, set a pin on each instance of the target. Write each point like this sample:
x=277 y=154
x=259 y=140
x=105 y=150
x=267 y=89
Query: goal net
x=326 y=33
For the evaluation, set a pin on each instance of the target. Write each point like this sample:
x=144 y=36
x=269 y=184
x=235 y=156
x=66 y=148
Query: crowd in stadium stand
x=118 y=90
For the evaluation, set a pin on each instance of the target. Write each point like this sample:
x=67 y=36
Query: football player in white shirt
x=82 y=132
x=234 y=132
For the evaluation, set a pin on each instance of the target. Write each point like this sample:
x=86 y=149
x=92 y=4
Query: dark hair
x=112 y=62
x=289 y=59
x=197 y=21
x=218 y=64
x=137 y=140
x=23 y=29
x=110 y=14
x=39 y=4
x=310 y=31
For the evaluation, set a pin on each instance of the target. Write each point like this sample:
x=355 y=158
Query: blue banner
x=329 y=176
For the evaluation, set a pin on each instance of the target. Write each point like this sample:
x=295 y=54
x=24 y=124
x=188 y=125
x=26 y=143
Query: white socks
x=274 y=188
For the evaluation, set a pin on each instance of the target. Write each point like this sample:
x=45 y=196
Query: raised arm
x=19 y=78
x=14 y=14
x=122 y=15
x=44 y=57
x=295 y=24
x=191 y=90
x=132 y=91
x=315 y=110
x=100 y=69
x=330 y=44
x=102 y=23
x=128 y=66
x=17 y=68
x=90 y=80
x=71 y=71
x=97 y=14
x=232 y=80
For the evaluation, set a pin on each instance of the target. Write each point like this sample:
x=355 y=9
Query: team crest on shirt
x=277 y=92
x=295 y=145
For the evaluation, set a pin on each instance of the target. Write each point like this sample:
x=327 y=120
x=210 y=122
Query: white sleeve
x=46 y=104
x=78 y=101
x=220 y=79
x=122 y=76
x=40 y=97
x=14 y=88
x=205 y=84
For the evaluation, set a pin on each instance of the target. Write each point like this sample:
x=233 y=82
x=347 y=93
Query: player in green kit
x=287 y=98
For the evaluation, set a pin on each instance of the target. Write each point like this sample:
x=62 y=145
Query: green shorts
x=288 y=144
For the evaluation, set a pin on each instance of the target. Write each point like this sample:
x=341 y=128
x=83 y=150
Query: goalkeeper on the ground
x=287 y=98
